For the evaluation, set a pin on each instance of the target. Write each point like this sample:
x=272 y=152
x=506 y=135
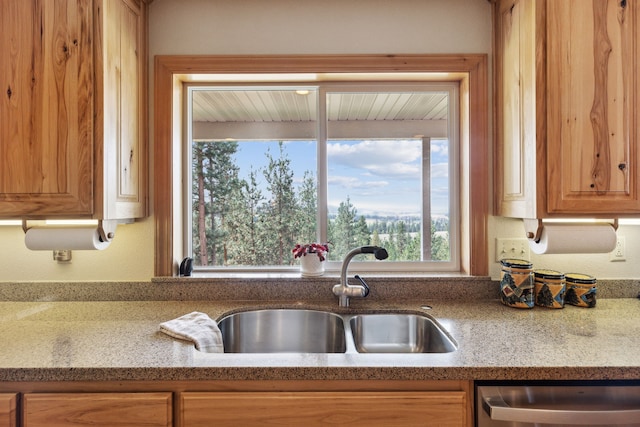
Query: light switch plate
x=512 y=248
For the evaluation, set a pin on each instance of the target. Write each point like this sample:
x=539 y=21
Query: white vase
x=310 y=265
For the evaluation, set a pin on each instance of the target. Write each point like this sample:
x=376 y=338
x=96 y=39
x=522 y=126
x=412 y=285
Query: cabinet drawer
x=323 y=408
x=97 y=409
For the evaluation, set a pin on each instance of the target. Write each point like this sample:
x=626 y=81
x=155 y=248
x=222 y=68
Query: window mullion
x=426 y=198
x=323 y=209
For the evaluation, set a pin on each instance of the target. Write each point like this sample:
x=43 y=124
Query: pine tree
x=308 y=207
x=343 y=234
x=439 y=245
x=390 y=243
x=243 y=233
x=402 y=239
x=362 y=235
x=217 y=179
x=414 y=249
x=281 y=208
x=200 y=209
x=375 y=238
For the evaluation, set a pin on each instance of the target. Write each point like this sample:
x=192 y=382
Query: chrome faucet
x=343 y=290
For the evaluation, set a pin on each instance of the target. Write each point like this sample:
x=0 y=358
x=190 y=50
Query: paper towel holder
x=533 y=228
x=62 y=256
x=106 y=228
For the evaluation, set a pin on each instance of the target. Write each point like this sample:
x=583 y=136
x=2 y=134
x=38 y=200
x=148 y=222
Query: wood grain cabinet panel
x=72 y=115
x=120 y=139
x=7 y=410
x=369 y=409
x=518 y=114
x=97 y=409
x=593 y=106
x=566 y=110
x=46 y=131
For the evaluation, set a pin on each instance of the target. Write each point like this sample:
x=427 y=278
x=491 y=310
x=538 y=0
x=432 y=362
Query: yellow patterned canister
x=516 y=283
x=550 y=288
x=581 y=290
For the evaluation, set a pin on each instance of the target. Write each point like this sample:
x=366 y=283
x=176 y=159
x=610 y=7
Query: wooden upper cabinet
x=46 y=127
x=567 y=108
x=519 y=116
x=72 y=115
x=593 y=106
x=120 y=58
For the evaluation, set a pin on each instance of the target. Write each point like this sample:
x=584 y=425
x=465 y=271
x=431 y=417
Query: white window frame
x=453 y=126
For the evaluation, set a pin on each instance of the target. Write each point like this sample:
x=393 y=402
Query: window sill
x=279 y=275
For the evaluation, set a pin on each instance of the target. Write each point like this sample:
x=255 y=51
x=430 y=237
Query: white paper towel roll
x=572 y=238
x=55 y=238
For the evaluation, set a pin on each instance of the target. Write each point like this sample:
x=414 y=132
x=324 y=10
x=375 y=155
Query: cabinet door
x=46 y=124
x=97 y=409
x=324 y=408
x=592 y=104
x=7 y=410
x=120 y=132
x=518 y=112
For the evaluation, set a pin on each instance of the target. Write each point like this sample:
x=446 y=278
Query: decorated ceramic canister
x=550 y=288
x=581 y=290
x=516 y=283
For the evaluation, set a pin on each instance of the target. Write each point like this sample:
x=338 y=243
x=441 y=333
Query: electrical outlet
x=618 y=254
x=512 y=248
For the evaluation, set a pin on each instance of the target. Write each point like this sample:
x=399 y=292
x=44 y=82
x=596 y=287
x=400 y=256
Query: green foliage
x=342 y=232
x=216 y=180
x=306 y=220
x=234 y=223
x=243 y=224
x=281 y=209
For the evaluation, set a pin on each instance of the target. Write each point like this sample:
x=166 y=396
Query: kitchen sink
x=283 y=331
x=315 y=331
x=399 y=333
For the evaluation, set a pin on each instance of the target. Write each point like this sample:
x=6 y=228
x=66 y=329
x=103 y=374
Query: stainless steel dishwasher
x=555 y=404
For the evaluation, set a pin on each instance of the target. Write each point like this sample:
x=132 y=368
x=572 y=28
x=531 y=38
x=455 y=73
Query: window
x=353 y=165
x=174 y=73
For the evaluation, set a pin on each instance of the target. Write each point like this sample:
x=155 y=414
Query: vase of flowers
x=312 y=257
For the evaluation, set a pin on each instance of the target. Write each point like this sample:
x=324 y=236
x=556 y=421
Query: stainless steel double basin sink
x=314 y=331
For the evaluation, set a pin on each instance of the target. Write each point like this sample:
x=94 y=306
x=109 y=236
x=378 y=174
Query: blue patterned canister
x=550 y=288
x=581 y=290
x=516 y=283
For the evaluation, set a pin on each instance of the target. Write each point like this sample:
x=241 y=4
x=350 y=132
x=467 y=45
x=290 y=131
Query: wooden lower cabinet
x=97 y=409
x=7 y=410
x=237 y=403
x=411 y=408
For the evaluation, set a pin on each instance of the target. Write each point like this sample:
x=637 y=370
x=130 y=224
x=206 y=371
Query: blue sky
x=381 y=177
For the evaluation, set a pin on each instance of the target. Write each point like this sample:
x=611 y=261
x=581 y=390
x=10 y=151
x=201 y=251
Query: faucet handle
x=366 y=287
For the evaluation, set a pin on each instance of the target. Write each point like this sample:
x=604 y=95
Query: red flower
x=311 y=248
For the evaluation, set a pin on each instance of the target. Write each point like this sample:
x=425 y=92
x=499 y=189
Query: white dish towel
x=196 y=327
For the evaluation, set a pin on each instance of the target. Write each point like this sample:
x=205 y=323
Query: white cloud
x=351 y=182
x=382 y=177
x=440 y=147
x=440 y=170
x=391 y=159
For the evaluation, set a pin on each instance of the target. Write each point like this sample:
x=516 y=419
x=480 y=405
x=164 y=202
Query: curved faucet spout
x=343 y=290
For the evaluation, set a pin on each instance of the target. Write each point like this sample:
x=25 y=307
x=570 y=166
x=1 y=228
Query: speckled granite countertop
x=120 y=340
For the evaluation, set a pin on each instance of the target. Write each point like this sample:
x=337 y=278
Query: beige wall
x=595 y=264
x=285 y=27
